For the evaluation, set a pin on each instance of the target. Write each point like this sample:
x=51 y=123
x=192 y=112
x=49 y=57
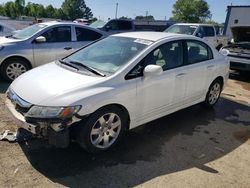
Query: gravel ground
x=190 y=148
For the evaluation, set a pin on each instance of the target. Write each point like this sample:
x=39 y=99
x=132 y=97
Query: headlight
x=52 y=112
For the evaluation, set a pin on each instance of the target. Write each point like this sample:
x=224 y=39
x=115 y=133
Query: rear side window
x=208 y=31
x=58 y=34
x=83 y=34
x=198 y=52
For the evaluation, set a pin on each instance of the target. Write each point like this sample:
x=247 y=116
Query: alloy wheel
x=105 y=130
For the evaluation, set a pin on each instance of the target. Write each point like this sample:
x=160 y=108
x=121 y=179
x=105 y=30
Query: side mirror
x=224 y=52
x=152 y=70
x=199 y=35
x=107 y=28
x=40 y=39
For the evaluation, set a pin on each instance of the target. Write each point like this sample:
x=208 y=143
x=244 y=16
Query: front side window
x=58 y=34
x=168 y=56
x=83 y=34
x=113 y=25
x=109 y=54
x=197 y=52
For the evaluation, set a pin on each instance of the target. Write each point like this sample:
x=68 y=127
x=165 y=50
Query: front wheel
x=102 y=130
x=213 y=93
x=13 y=68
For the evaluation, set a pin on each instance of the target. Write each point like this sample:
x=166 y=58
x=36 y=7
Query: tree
x=19 y=4
x=74 y=9
x=35 y=10
x=2 y=11
x=192 y=11
x=145 y=18
x=10 y=9
x=50 y=12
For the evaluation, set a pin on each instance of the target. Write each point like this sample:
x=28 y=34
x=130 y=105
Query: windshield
x=29 y=31
x=109 y=54
x=182 y=29
x=98 y=24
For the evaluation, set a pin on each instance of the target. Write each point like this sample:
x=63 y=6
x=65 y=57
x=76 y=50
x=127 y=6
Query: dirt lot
x=191 y=148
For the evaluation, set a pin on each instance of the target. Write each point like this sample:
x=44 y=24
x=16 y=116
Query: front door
x=58 y=45
x=160 y=94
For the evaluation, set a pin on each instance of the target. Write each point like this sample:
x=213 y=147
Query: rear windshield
x=182 y=29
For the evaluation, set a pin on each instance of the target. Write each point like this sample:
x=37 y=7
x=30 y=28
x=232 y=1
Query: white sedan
x=116 y=84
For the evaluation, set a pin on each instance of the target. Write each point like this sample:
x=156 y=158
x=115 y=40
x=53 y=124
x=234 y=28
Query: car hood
x=241 y=34
x=5 y=40
x=44 y=84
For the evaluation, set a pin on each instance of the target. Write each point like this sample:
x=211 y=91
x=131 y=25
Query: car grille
x=238 y=56
x=237 y=65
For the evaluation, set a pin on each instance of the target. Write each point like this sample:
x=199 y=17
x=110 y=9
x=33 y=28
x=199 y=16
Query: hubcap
x=214 y=93
x=105 y=130
x=14 y=70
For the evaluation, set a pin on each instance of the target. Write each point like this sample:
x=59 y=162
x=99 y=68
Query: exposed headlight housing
x=52 y=112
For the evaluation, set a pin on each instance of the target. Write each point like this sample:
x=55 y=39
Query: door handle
x=180 y=75
x=68 y=48
x=210 y=66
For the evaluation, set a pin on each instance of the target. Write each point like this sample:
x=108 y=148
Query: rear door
x=58 y=45
x=199 y=66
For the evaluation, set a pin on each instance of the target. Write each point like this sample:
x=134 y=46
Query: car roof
x=196 y=24
x=153 y=36
x=53 y=23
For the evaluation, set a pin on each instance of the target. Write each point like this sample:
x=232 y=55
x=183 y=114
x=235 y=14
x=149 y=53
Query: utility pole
x=116 y=10
x=146 y=14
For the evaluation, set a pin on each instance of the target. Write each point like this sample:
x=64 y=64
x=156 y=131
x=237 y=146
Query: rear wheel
x=12 y=68
x=102 y=130
x=213 y=93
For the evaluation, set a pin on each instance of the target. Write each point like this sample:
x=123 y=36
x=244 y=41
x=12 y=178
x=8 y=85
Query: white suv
x=116 y=84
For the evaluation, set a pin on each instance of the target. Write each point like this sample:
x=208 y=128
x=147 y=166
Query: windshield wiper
x=91 y=69
x=68 y=64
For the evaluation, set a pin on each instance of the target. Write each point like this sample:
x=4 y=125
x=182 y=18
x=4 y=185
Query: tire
x=102 y=130
x=213 y=94
x=12 y=68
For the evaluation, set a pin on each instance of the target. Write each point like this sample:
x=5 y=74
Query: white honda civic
x=114 y=85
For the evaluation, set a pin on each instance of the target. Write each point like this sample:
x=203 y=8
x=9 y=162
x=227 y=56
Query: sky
x=160 y=9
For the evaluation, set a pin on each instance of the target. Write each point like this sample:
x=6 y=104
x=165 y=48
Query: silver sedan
x=42 y=43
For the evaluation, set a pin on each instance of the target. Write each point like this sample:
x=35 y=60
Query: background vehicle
x=236 y=15
x=5 y=29
x=239 y=50
x=40 y=44
x=115 y=84
x=205 y=31
x=125 y=25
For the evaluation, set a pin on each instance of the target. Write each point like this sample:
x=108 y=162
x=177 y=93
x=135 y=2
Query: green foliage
x=74 y=9
x=146 y=18
x=70 y=10
x=192 y=11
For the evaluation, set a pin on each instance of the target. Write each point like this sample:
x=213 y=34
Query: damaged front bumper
x=39 y=127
